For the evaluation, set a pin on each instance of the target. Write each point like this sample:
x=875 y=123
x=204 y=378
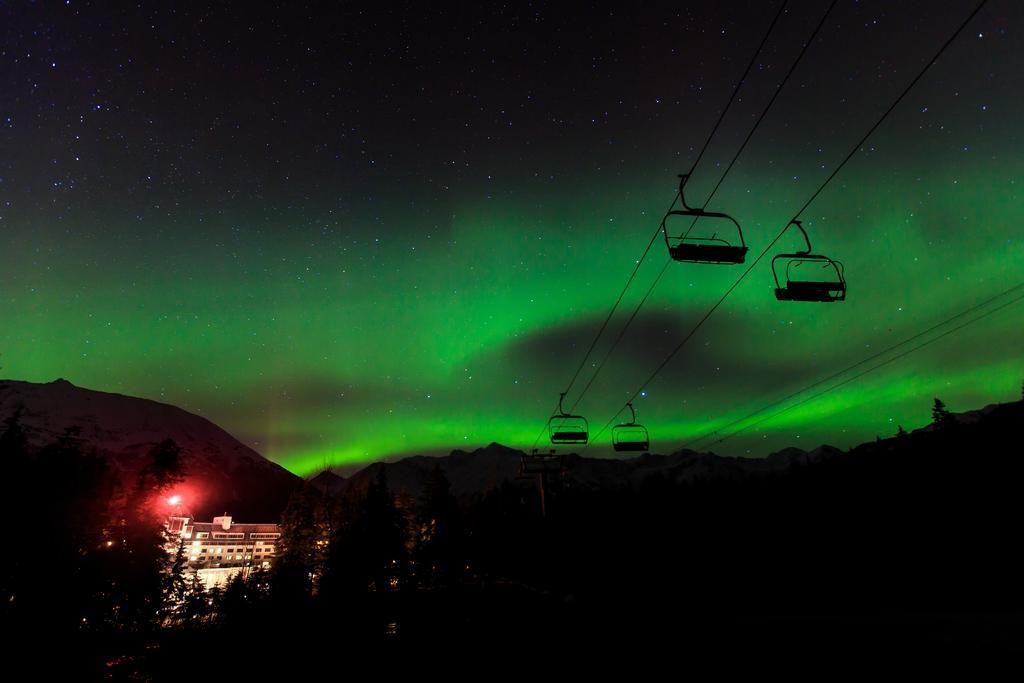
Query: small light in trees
x=174 y=500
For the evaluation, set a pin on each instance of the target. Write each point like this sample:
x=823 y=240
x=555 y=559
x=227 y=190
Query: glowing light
x=174 y=500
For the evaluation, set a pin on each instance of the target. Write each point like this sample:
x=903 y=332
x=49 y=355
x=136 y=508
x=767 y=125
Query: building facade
x=218 y=551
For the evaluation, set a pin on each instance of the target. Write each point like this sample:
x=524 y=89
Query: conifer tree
x=175 y=587
x=439 y=530
x=302 y=547
x=138 y=561
x=63 y=576
x=195 y=609
x=383 y=534
x=233 y=602
x=367 y=547
x=942 y=418
x=14 y=455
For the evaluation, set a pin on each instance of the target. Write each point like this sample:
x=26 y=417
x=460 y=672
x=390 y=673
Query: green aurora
x=325 y=366
x=417 y=325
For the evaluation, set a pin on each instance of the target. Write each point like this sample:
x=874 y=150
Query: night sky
x=352 y=232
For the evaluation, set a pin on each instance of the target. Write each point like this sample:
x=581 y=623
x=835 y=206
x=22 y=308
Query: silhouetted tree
x=18 y=467
x=138 y=558
x=13 y=442
x=900 y=431
x=233 y=603
x=439 y=548
x=195 y=608
x=301 y=550
x=67 y=489
x=384 y=534
x=367 y=550
x=163 y=469
x=214 y=597
x=942 y=418
x=175 y=587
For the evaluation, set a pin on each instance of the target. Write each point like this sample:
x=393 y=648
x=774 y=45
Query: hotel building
x=219 y=550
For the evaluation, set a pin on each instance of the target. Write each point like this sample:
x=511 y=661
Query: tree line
x=920 y=521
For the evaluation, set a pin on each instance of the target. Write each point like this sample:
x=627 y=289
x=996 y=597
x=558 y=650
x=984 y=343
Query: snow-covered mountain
x=686 y=466
x=469 y=473
x=222 y=474
x=479 y=471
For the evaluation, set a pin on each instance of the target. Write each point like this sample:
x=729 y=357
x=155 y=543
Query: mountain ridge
x=476 y=472
x=224 y=474
x=221 y=473
x=406 y=475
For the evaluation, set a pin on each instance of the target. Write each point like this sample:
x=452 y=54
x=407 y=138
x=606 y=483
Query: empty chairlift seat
x=568 y=429
x=564 y=428
x=631 y=436
x=713 y=249
x=809 y=277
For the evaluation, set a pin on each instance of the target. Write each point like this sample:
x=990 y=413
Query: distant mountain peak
x=795 y=454
x=328 y=481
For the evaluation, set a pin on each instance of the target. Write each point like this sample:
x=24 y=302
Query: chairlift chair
x=713 y=249
x=813 y=290
x=567 y=429
x=631 y=436
x=540 y=463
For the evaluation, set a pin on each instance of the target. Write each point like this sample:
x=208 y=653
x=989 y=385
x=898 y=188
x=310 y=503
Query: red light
x=174 y=500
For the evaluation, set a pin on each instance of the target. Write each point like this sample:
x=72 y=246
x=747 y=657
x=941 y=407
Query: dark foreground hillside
x=902 y=548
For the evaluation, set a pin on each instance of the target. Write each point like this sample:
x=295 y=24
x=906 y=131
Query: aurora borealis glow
x=347 y=234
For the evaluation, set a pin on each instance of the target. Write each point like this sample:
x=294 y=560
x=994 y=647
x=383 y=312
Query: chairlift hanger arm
x=696 y=212
x=800 y=226
x=683 y=177
x=796 y=255
x=703 y=214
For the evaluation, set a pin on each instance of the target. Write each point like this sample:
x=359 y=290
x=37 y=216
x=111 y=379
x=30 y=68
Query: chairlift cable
x=707 y=142
x=849 y=156
x=657 y=231
x=764 y=113
x=836 y=375
x=873 y=368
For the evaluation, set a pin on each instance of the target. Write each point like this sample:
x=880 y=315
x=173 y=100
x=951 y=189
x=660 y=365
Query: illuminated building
x=217 y=551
